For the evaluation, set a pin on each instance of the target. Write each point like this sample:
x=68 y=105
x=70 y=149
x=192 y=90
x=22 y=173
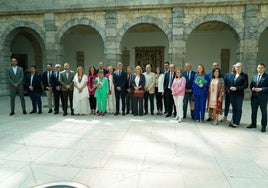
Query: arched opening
x=26 y=45
x=82 y=46
x=213 y=41
x=144 y=44
x=262 y=56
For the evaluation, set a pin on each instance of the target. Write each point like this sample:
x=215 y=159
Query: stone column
x=4 y=58
x=111 y=49
x=250 y=42
x=54 y=51
x=177 y=44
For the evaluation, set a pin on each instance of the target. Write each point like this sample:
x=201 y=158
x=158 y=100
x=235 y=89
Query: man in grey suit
x=66 y=80
x=15 y=78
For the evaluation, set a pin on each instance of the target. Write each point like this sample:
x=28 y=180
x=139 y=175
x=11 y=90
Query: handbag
x=138 y=93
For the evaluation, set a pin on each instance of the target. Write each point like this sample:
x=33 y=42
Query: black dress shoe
x=50 y=111
x=263 y=130
x=123 y=113
x=24 y=112
x=209 y=119
x=33 y=112
x=11 y=113
x=152 y=113
x=116 y=113
x=72 y=113
x=145 y=113
x=168 y=115
x=40 y=112
x=65 y=114
x=56 y=112
x=251 y=126
x=127 y=112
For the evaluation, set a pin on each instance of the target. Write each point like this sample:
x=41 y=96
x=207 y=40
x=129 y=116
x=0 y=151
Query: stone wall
x=177 y=19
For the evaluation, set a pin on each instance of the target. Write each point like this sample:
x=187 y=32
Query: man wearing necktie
x=188 y=74
x=119 y=79
x=169 y=77
x=15 y=78
x=33 y=83
x=259 y=89
x=129 y=96
x=47 y=83
x=56 y=88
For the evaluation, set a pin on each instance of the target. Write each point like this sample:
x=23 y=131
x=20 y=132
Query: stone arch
x=33 y=32
x=237 y=29
x=80 y=21
x=145 y=19
x=262 y=26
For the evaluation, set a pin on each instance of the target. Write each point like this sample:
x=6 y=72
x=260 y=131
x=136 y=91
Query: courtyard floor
x=128 y=152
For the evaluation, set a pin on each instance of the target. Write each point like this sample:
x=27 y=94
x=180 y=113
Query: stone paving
x=120 y=152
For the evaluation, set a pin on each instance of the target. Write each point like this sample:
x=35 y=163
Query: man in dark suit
x=56 y=88
x=15 y=78
x=47 y=83
x=188 y=74
x=227 y=85
x=165 y=71
x=259 y=88
x=169 y=77
x=33 y=83
x=120 y=78
x=239 y=82
x=102 y=67
x=66 y=80
x=129 y=96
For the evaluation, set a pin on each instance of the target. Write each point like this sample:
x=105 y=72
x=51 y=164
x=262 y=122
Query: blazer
x=129 y=82
x=263 y=83
x=64 y=81
x=189 y=81
x=151 y=82
x=18 y=78
x=227 y=82
x=160 y=83
x=141 y=82
x=120 y=81
x=55 y=80
x=201 y=90
x=241 y=84
x=166 y=80
x=36 y=83
x=45 y=79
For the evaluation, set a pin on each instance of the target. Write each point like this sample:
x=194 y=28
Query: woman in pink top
x=92 y=75
x=178 y=91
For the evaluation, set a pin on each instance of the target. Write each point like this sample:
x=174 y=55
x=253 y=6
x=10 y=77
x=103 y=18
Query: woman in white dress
x=111 y=96
x=80 y=95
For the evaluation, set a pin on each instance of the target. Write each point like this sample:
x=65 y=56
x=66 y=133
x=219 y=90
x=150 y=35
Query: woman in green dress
x=102 y=91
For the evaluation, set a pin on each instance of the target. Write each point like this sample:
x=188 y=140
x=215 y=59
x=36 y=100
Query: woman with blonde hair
x=138 y=84
x=80 y=93
x=178 y=92
x=111 y=96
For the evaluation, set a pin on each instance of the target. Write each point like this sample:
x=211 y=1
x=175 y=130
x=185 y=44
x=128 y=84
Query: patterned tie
x=258 y=79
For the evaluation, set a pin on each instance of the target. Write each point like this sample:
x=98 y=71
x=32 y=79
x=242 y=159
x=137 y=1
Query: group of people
x=103 y=91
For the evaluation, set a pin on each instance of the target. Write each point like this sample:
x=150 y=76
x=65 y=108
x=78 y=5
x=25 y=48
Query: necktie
x=67 y=75
x=258 y=79
x=58 y=76
x=170 y=79
x=119 y=73
x=48 y=78
x=32 y=75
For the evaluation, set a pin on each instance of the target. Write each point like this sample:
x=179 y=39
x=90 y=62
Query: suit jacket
x=263 y=83
x=55 y=81
x=64 y=81
x=166 y=80
x=45 y=79
x=129 y=82
x=227 y=82
x=189 y=81
x=18 y=78
x=36 y=83
x=141 y=82
x=241 y=84
x=120 y=81
x=151 y=83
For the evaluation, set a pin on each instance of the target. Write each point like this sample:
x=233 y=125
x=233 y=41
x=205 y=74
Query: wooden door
x=225 y=60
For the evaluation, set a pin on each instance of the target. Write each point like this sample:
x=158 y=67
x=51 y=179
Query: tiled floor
x=120 y=152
